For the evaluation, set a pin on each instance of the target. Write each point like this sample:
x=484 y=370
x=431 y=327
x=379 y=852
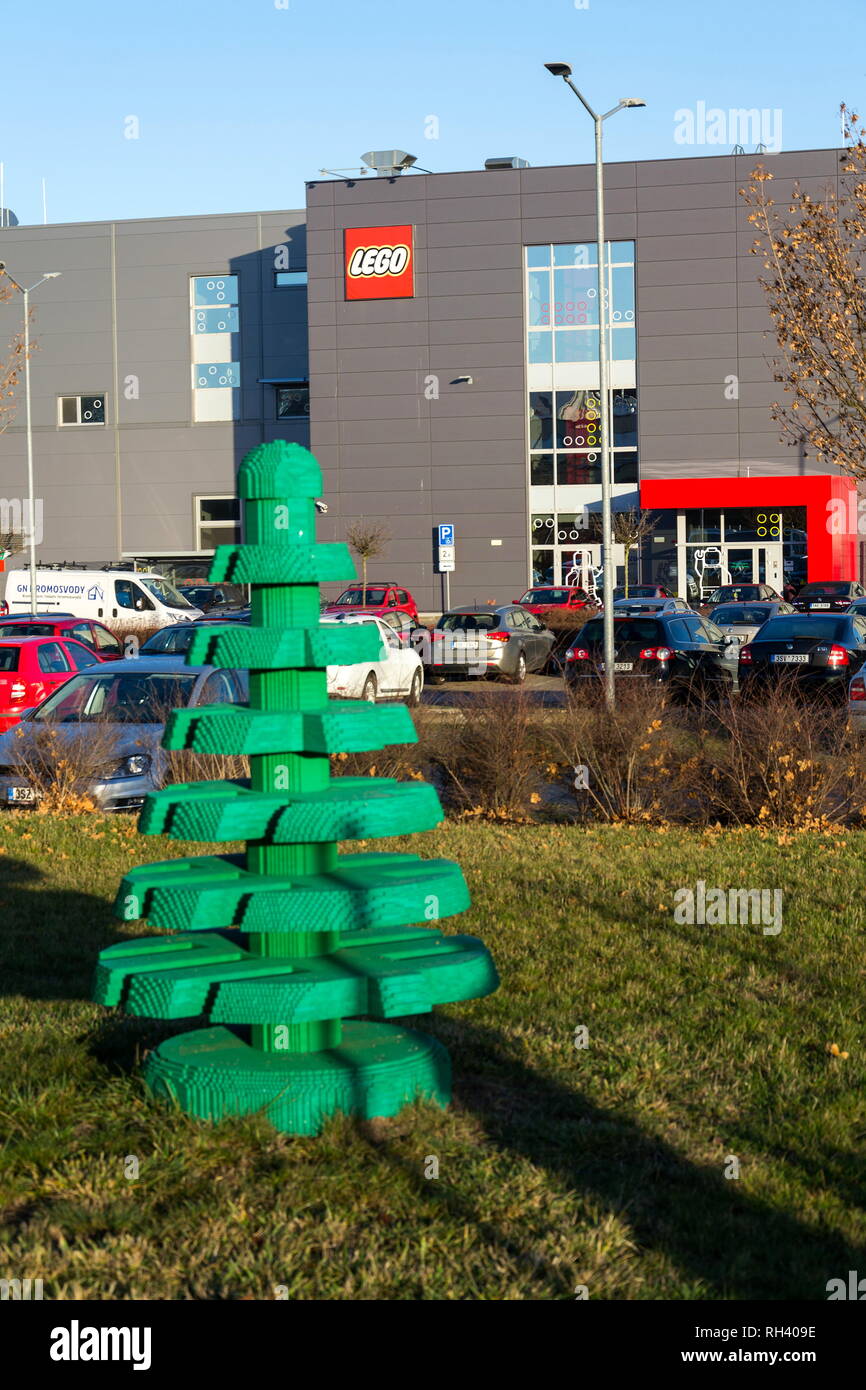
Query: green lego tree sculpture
x=279 y=945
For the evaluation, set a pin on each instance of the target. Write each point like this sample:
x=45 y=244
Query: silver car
x=473 y=641
x=111 y=718
x=742 y=620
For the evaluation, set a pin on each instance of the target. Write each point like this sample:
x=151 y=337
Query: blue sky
x=240 y=101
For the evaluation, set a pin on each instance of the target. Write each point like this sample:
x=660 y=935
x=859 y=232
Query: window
x=293 y=400
x=81 y=410
x=80 y=657
x=105 y=641
x=290 y=279
x=218 y=690
x=81 y=633
x=215 y=347
x=562 y=294
x=9 y=658
x=217 y=522
x=52 y=659
x=130 y=596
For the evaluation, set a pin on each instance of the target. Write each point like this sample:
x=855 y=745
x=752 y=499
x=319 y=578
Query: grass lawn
x=603 y=1166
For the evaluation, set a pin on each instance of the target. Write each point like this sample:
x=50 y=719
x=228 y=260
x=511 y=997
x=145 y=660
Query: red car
x=379 y=599
x=31 y=668
x=562 y=598
x=93 y=635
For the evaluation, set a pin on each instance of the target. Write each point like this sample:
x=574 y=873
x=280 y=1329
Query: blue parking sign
x=446 y=533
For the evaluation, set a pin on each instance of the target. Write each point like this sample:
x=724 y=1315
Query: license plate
x=800 y=659
x=819 y=605
x=20 y=794
x=618 y=666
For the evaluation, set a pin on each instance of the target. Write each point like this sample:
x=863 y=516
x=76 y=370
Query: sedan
x=742 y=620
x=650 y=605
x=683 y=651
x=642 y=591
x=120 y=710
x=739 y=593
x=31 y=668
x=505 y=641
x=397 y=674
x=817 y=654
x=561 y=599
x=828 y=596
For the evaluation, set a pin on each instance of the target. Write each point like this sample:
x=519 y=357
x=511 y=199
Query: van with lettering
x=116 y=597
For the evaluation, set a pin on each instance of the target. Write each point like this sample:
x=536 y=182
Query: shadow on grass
x=709 y=1229
x=49 y=938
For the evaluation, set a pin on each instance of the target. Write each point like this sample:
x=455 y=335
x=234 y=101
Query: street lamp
x=564 y=71
x=31 y=500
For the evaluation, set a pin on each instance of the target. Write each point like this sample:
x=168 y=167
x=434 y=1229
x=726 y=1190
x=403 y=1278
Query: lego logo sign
x=379 y=263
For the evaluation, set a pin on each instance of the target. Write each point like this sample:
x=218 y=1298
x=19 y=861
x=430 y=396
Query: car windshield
x=730 y=593
x=638 y=591
x=124 y=698
x=545 y=596
x=798 y=627
x=468 y=622
x=740 y=614
x=161 y=589
x=624 y=630
x=356 y=597
x=170 y=639
x=818 y=590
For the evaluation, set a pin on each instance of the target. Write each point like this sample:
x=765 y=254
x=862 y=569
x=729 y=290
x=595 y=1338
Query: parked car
x=651 y=605
x=31 y=668
x=642 y=591
x=681 y=650
x=505 y=641
x=858 y=606
x=125 y=704
x=818 y=653
x=94 y=635
x=742 y=620
x=170 y=641
x=738 y=593
x=208 y=596
x=828 y=596
x=377 y=599
x=399 y=672
x=857 y=703
x=561 y=598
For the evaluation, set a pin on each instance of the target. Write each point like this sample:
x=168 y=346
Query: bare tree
x=12 y=365
x=368 y=539
x=814 y=256
x=629 y=529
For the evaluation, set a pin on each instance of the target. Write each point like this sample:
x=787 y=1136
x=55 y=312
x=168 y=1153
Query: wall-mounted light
x=462 y=381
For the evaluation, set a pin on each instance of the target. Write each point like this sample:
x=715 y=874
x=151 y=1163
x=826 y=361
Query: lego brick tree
x=280 y=946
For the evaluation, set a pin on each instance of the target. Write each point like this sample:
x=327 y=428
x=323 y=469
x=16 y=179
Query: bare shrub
x=183 y=765
x=63 y=768
x=405 y=761
x=778 y=761
x=491 y=757
x=621 y=764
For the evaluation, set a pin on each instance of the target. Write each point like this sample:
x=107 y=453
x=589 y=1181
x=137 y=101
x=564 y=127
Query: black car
x=827 y=596
x=642 y=591
x=682 y=650
x=817 y=654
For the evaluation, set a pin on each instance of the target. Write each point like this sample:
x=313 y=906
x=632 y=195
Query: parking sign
x=446 y=533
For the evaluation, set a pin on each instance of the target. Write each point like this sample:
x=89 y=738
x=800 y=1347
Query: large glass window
x=562 y=293
x=568 y=424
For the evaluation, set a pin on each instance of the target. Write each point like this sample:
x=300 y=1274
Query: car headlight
x=136 y=765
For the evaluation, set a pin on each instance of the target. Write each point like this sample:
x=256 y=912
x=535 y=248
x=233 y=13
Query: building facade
x=434 y=337
x=466 y=390
x=166 y=349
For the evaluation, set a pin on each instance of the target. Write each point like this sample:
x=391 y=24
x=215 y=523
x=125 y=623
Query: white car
x=397 y=674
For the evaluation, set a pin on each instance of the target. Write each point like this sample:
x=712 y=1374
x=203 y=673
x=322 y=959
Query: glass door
x=755 y=564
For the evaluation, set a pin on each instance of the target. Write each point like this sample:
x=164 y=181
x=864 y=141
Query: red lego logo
x=379 y=262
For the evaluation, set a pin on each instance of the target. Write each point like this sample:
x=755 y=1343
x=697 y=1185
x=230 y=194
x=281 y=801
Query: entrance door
x=755 y=564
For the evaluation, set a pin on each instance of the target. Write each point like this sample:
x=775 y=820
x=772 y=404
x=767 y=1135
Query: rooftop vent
x=388 y=163
x=507 y=161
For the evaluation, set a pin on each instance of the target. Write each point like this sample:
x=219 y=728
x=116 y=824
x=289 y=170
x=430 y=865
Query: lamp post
x=31 y=500
x=564 y=71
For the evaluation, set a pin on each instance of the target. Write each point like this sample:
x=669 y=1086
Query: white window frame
x=229 y=526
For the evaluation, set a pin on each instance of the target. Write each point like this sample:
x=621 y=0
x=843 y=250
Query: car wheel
x=520 y=674
x=415 y=689
x=370 y=689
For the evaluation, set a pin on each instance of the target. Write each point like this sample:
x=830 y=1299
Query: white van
x=118 y=598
